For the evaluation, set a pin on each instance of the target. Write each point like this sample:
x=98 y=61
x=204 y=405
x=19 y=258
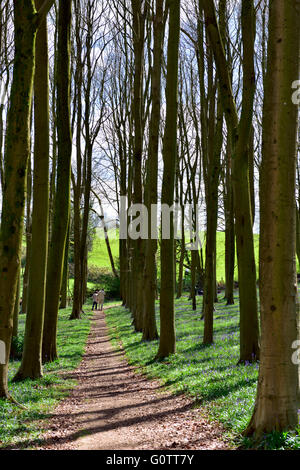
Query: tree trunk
x=212 y=218
x=229 y=229
x=78 y=181
x=17 y=151
x=138 y=252
x=65 y=278
x=13 y=350
x=28 y=230
x=149 y=322
x=167 y=344
x=277 y=401
x=62 y=196
x=240 y=133
x=31 y=365
x=182 y=255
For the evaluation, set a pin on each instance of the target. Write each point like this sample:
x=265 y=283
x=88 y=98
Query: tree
x=277 y=401
x=138 y=30
x=149 y=323
x=17 y=151
x=31 y=365
x=240 y=131
x=167 y=342
x=62 y=195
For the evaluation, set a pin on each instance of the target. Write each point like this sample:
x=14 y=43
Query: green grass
x=221 y=256
x=18 y=426
x=209 y=374
x=99 y=257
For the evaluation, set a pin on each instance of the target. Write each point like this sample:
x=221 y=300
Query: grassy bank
x=17 y=426
x=99 y=257
x=208 y=374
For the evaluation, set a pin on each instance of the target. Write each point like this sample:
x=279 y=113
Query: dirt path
x=114 y=408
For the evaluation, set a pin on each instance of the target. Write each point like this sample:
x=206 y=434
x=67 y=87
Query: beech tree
x=62 y=194
x=17 y=150
x=167 y=340
x=31 y=365
x=278 y=393
x=149 y=322
x=240 y=130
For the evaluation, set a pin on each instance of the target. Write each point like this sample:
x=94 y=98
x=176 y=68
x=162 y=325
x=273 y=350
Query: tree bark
x=62 y=196
x=149 y=322
x=17 y=151
x=277 y=401
x=240 y=132
x=65 y=278
x=138 y=245
x=31 y=365
x=167 y=343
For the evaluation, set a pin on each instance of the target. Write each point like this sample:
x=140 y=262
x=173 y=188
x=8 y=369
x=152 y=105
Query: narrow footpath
x=115 y=408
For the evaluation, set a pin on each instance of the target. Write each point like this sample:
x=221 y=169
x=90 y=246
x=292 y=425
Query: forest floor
x=114 y=407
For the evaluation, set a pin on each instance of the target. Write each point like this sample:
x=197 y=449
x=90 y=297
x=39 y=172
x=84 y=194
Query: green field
x=99 y=257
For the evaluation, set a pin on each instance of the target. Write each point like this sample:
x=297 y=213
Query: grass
x=208 y=374
x=18 y=426
x=99 y=257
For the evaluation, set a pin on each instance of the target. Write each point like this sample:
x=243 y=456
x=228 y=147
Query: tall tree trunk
x=62 y=196
x=149 y=322
x=123 y=252
x=229 y=229
x=78 y=180
x=167 y=343
x=182 y=255
x=249 y=332
x=213 y=172
x=65 y=278
x=28 y=231
x=138 y=252
x=87 y=170
x=277 y=401
x=31 y=365
x=240 y=133
x=13 y=349
x=17 y=151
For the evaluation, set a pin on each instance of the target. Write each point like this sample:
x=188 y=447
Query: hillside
x=99 y=257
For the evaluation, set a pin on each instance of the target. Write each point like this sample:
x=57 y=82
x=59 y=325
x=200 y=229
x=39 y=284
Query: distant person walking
x=100 y=298
x=95 y=300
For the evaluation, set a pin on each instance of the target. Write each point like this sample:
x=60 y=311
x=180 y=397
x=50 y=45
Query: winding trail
x=115 y=408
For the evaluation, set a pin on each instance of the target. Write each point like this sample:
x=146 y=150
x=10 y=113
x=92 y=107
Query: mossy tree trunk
x=277 y=401
x=13 y=349
x=28 y=230
x=62 y=195
x=17 y=151
x=31 y=365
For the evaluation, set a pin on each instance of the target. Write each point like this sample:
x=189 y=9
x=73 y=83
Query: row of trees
x=164 y=101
